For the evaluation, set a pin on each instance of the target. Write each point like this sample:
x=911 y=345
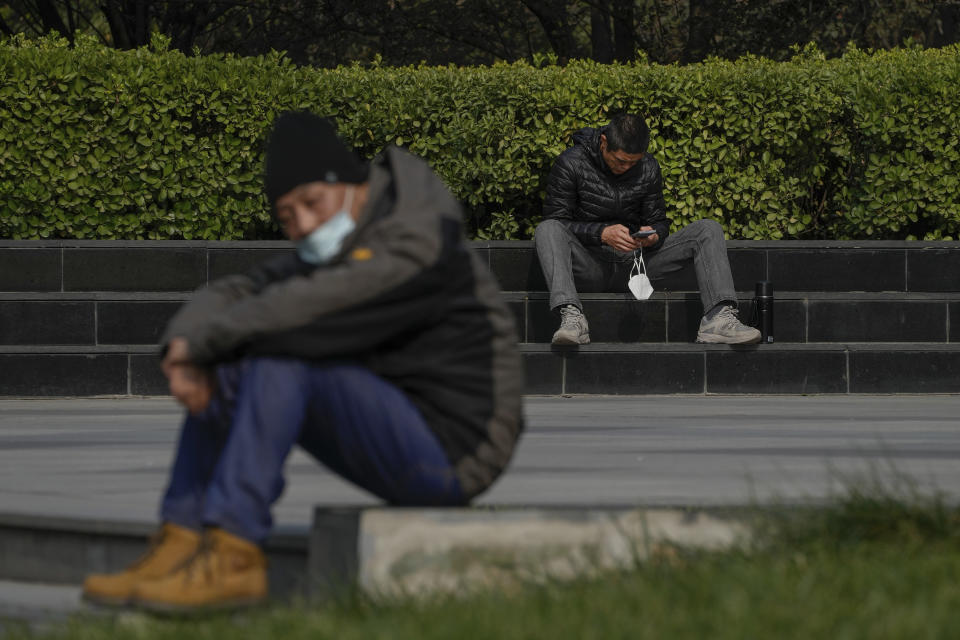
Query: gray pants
x=570 y=267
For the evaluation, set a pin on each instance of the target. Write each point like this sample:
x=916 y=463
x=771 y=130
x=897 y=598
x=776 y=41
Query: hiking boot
x=573 y=327
x=170 y=548
x=725 y=328
x=227 y=572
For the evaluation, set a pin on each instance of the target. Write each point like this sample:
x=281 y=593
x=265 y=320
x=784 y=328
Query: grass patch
x=872 y=565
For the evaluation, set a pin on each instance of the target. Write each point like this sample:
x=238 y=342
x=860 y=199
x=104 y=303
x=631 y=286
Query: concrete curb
x=382 y=551
x=38 y=603
x=426 y=551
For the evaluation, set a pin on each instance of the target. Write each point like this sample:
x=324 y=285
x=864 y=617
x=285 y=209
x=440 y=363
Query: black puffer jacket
x=585 y=195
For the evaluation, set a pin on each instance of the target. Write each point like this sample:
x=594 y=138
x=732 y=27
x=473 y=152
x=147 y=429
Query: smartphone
x=643 y=233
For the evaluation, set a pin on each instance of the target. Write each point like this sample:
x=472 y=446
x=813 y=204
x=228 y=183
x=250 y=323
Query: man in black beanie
x=381 y=347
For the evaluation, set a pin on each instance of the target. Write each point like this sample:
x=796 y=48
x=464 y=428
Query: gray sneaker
x=726 y=328
x=573 y=327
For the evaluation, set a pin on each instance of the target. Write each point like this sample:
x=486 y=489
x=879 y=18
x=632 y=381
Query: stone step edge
x=544 y=347
x=81 y=349
x=747 y=296
x=510 y=296
x=865 y=245
x=696 y=347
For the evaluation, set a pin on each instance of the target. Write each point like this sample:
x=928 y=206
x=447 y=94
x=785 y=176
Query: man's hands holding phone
x=618 y=237
x=190 y=384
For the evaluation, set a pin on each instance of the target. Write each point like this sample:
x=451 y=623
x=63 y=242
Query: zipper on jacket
x=616 y=190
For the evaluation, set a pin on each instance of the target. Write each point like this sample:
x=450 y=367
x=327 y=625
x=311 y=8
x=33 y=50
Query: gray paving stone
x=108 y=458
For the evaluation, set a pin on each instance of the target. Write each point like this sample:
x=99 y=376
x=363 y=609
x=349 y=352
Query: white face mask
x=639 y=283
x=321 y=244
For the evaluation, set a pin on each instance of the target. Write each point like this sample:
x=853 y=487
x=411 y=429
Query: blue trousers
x=228 y=468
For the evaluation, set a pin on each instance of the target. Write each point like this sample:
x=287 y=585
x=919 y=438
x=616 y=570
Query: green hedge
x=99 y=143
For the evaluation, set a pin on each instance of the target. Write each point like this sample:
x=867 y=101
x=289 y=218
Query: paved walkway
x=108 y=458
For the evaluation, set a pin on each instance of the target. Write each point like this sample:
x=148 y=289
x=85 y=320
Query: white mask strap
x=638 y=264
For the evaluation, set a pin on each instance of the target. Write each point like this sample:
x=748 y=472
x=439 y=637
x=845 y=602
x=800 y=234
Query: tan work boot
x=226 y=573
x=170 y=548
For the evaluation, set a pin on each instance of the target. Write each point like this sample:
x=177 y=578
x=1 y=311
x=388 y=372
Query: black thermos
x=764 y=308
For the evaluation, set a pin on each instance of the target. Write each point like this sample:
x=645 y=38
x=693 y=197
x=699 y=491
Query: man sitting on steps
x=382 y=347
x=600 y=192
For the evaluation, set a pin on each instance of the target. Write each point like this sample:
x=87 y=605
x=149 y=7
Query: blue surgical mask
x=321 y=244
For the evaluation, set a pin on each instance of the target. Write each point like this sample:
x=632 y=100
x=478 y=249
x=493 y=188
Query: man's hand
x=649 y=240
x=190 y=384
x=618 y=237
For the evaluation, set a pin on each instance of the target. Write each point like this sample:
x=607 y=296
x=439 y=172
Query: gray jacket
x=405 y=297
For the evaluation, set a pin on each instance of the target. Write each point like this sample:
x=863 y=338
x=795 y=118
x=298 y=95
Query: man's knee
x=707 y=228
x=262 y=371
x=549 y=230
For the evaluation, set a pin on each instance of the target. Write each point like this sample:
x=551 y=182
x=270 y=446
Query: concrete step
x=799 y=317
x=597 y=368
x=89 y=265
x=81 y=318
x=80 y=371
x=815 y=368
x=133 y=318
x=86 y=318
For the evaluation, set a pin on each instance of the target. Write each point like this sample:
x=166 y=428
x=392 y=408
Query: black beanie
x=303 y=148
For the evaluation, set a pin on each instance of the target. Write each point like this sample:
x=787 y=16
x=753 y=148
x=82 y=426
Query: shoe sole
x=571 y=341
x=715 y=339
x=168 y=608
x=102 y=601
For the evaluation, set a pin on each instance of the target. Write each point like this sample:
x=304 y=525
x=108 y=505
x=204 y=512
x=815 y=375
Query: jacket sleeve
x=563 y=200
x=221 y=326
x=207 y=303
x=653 y=208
